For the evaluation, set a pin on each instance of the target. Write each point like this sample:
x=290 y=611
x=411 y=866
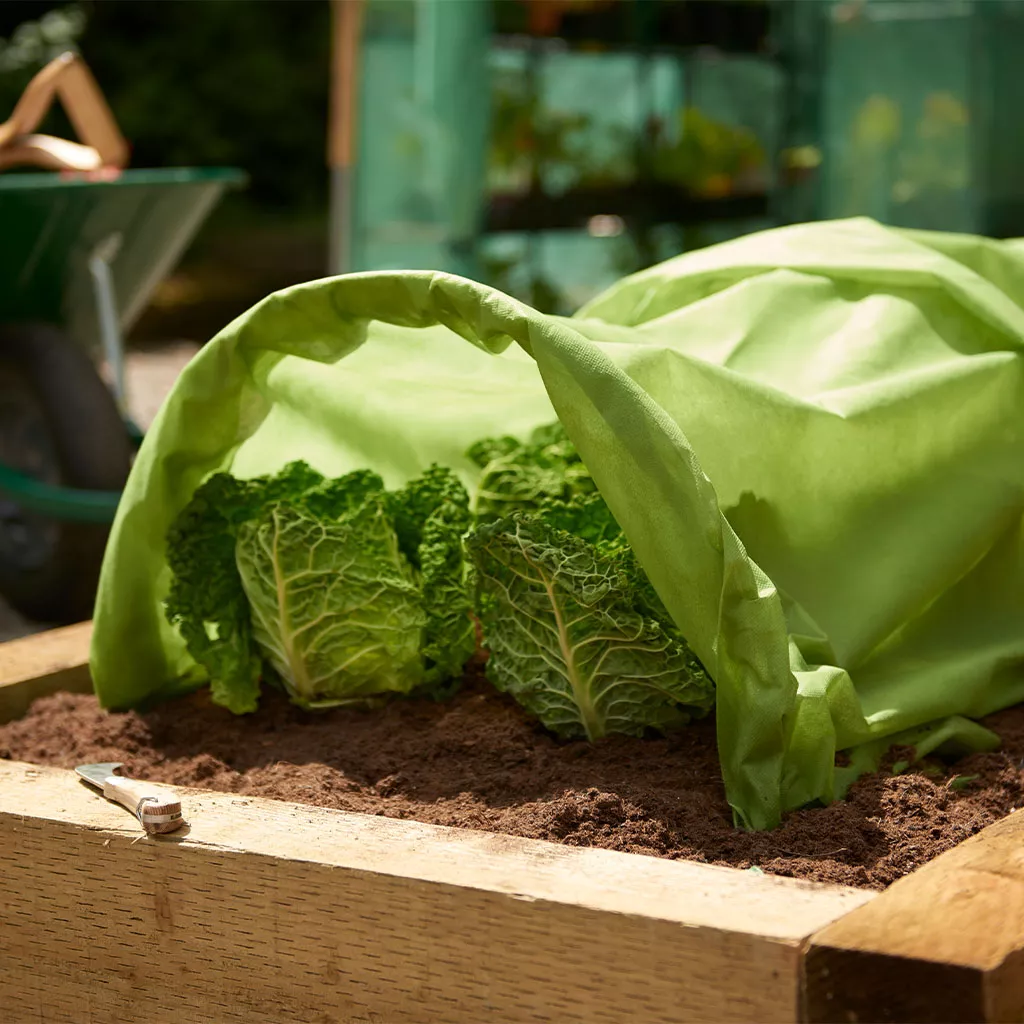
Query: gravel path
x=150 y=376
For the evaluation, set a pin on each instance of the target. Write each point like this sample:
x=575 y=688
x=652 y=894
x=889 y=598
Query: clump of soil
x=478 y=762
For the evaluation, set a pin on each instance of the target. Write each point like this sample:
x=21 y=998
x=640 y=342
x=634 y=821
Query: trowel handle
x=157 y=810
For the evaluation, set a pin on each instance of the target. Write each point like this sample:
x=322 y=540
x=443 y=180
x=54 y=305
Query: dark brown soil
x=477 y=762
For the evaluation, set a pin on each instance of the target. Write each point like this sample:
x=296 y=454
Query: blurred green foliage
x=708 y=156
x=34 y=43
x=529 y=141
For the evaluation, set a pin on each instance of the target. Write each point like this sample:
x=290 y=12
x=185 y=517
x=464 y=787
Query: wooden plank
x=342 y=128
x=267 y=911
x=36 y=100
x=49 y=154
x=44 y=663
x=946 y=943
x=346 y=26
x=90 y=115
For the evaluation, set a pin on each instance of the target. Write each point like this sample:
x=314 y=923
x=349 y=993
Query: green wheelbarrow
x=81 y=252
x=79 y=259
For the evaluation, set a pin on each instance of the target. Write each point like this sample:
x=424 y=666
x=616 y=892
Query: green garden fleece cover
x=813 y=437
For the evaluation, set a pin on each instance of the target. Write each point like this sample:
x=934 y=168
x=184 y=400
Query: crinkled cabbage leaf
x=577 y=635
x=518 y=476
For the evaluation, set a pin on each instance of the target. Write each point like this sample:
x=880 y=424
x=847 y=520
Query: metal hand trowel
x=157 y=810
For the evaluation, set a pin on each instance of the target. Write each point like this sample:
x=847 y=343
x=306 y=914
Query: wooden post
x=346 y=18
x=946 y=943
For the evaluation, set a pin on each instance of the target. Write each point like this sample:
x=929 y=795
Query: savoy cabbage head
x=337 y=589
x=575 y=630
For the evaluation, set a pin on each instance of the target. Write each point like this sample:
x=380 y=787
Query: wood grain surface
x=946 y=943
x=42 y=664
x=271 y=912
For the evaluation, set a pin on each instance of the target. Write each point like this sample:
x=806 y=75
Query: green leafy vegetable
x=572 y=636
x=338 y=589
x=206 y=601
x=519 y=476
x=431 y=516
x=341 y=591
x=575 y=630
x=335 y=605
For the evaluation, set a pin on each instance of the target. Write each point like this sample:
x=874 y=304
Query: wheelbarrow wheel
x=60 y=424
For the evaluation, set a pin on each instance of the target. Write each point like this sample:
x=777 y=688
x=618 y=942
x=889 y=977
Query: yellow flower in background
x=944 y=115
x=878 y=122
x=944 y=106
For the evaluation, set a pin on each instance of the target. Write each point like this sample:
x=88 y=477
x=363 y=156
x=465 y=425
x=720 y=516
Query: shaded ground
x=478 y=762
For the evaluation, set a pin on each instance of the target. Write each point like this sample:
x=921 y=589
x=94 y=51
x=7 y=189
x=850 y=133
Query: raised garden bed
x=273 y=911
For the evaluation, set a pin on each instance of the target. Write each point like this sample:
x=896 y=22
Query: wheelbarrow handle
x=63 y=503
